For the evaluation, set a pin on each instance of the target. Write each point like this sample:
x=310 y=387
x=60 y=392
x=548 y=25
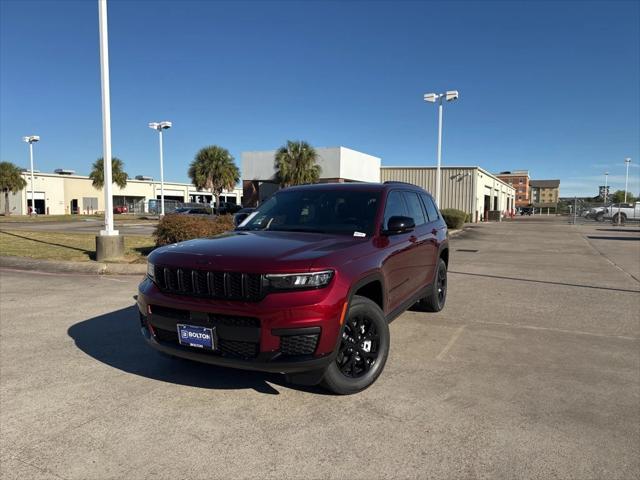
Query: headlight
x=151 y=271
x=293 y=281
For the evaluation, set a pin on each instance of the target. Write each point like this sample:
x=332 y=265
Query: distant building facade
x=66 y=193
x=519 y=180
x=338 y=164
x=473 y=190
x=545 y=193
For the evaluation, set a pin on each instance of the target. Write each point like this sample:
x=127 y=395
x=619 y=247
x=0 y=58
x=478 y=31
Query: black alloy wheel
x=441 y=283
x=363 y=348
x=436 y=296
x=359 y=347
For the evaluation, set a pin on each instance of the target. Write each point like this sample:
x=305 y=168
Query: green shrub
x=178 y=228
x=454 y=218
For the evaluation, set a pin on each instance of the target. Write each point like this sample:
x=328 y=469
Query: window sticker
x=359 y=234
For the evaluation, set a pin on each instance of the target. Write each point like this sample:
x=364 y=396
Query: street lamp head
x=627 y=160
x=451 y=95
x=31 y=139
x=160 y=125
x=431 y=97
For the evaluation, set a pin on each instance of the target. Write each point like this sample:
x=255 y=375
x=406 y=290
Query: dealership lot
x=532 y=370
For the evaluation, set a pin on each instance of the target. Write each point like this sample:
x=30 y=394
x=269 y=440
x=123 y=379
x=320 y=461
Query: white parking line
x=453 y=340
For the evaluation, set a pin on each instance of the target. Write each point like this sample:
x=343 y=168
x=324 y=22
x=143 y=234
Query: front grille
x=201 y=283
x=225 y=348
x=298 y=344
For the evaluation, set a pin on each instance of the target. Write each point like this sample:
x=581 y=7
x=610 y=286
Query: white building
x=65 y=193
x=470 y=189
x=338 y=164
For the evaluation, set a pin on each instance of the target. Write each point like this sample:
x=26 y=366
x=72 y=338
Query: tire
x=623 y=218
x=435 y=300
x=358 y=364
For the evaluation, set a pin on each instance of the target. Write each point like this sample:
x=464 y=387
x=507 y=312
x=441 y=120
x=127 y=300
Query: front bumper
x=285 y=332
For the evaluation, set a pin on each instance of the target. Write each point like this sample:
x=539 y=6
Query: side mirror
x=239 y=218
x=399 y=224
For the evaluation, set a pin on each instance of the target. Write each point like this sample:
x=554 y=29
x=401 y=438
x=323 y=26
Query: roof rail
x=397 y=181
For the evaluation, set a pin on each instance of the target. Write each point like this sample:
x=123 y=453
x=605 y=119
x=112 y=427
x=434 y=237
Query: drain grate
x=470 y=250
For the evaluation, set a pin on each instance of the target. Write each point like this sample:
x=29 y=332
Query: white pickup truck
x=625 y=212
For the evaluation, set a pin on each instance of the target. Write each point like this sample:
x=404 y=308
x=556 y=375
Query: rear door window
x=395 y=207
x=432 y=211
x=415 y=208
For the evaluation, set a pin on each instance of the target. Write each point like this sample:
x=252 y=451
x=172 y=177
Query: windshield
x=322 y=211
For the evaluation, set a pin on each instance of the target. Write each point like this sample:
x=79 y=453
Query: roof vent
x=64 y=171
x=26 y=170
x=144 y=177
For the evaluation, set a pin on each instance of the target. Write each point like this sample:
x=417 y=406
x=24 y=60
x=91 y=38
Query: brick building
x=519 y=180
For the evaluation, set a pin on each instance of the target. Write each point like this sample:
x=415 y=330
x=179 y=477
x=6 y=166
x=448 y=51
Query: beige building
x=66 y=193
x=545 y=193
x=470 y=189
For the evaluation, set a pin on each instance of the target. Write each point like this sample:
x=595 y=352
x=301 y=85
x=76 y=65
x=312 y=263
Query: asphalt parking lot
x=531 y=371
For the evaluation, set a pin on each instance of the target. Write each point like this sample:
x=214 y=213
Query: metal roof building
x=470 y=189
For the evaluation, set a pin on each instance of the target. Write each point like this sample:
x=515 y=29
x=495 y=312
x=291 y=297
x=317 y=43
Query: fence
x=153 y=207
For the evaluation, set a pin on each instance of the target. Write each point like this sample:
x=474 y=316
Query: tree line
x=213 y=168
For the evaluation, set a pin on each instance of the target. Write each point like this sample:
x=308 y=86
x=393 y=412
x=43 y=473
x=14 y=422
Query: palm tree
x=118 y=176
x=10 y=181
x=213 y=169
x=296 y=164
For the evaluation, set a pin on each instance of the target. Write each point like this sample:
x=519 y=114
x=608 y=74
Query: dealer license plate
x=193 y=336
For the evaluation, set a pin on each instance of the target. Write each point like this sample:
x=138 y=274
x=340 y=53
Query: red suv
x=306 y=285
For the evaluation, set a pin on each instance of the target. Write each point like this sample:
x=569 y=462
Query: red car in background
x=120 y=209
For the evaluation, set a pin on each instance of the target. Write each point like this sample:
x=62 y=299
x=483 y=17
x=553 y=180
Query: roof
x=443 y=168
x=341 y=186
x=544 y=183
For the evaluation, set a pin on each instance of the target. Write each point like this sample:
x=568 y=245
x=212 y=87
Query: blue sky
x=552 y=87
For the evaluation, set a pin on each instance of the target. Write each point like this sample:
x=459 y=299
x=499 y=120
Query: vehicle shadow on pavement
x=115 y=339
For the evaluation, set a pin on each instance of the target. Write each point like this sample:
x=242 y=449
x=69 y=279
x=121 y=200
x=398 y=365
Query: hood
x=257 y=252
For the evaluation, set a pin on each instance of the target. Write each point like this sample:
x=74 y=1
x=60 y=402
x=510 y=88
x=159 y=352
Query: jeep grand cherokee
x=305 y=286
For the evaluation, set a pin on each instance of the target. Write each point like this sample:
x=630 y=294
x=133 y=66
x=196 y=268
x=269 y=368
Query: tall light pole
x=160 y=126
x=106 y=120
x=31 y=139
x=606 y=178
x=109 y=245
x=627 y=161
x=449 y=96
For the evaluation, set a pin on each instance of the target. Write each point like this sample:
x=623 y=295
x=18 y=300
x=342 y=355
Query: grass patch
x=77 y=247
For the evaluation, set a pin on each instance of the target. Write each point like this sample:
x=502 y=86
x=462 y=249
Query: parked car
x=526 y=210
x=227 y=208
x=241 y=215
x=306 y=287
x=120 y=209
x=596 y=213
x=627 y=212
x=193 y=211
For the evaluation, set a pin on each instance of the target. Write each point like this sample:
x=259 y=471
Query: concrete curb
x=54 y=266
